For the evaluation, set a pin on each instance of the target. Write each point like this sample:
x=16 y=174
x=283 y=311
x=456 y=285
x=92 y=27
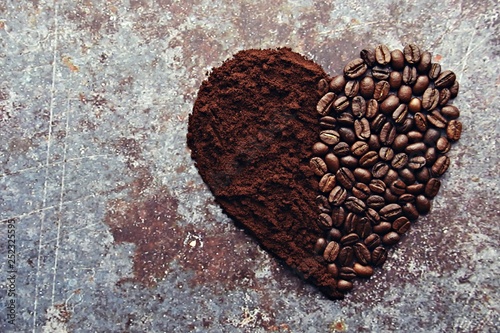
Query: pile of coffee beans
x=386 y=126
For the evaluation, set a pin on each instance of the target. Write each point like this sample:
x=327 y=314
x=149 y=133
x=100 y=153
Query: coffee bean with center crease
x=359 y=148
x=351 y=221
x=369 y=159
x=337 y=84
x=349 y=239
x=444 y=96
x=381 y=73
x=382 y=54
x=355 y=68
x=367 y=87
x=417 y=162
x=327 y=122
x=361 y=190
x=406 y=197
x=324 y=221
x=434 y=71
x=358 y=106
x=355 y=205
x=351 y=88
x=363 y=228
x=372 y=241
x=391 y=238
x=445 y=79
x=440 y=166
x=330 y=137
x=386 y=154
x=412 y=53
x=436 y=119
x=323 y=86
x=341 y=149
x=420 y=121
x=377 y=186
x=338 y=216
x=331 y=251
x=398 y=187
x=372 y=216
x=399 y=160
x=391 y=211
x=327 y=183
x=337 y=196
x=325 y=103
x=362 y=128
x=401 y=225
x=381 y=90
x=323 y=204
x=379 y=170
x=372 y=109
x=410 y=211
x=345 y=119
x=430 y=99
x=347 y=273
x=341 y=103
x=454 y=130
x=362 y=253
x=443 y=145
x=387 y=134
x=375 y=201
x=454 y=89
x=362 y=175
x=345 y=178
x=410 y=75
x=432 y=187
x=346 y=256
x=377 y=123
x=318 y=166
x=368 y=56
x=399 y=115
x=379 y=256
x=431 y=156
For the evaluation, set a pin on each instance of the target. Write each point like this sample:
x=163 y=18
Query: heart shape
x=290 y=154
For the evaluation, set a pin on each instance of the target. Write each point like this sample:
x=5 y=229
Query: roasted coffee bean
x=346 y=255
x=412 y=53
x=454 y=89
x=423 y=175
x=341 y=103
x=434 y=71
x=382 y=54
x=338 y=216
x=379 y=170
x=415 y=105
x=318 y=166
x=390 y=197
x=347 y=273
x=362 y=128
x=421 y=84
x=423 y=204
x=407 y=176
x=377 y=123
x=363 y=228
x=368 y=57
x=320 y=246
x=431 y=156
x=355 y=205
x=335 y=234
x=390 y=176
x=349 y=161
x=445 y=79
x=327 y=122
x=406 y=197
x=325 y=103
x=406 y=126
x=345 y=119
x=420 y=121
x=331 y=251
x=351 y=88
x=431 y=136
x=364 y=271
x=381 y=73
x=399 y=115
x=359 y=148
x=332 y=162
x=344 y=285
x=443 y=145
x=401 y=225
x=323 y=86
x=432 y=188
x=327 y=183
x=390 y=212
x=382 y=228
x=425 y=62
x=366 y=87
x=320 y=149
x=454 y=130
x=358 y=106
x=386 y=154
x=416 y=148
x=414 y=136
x=397 y=60
x=330 y=137
x=324 y=221
x=369 y=159
x=372 y=109
x=410 y=211
x=374 y=142
x=440 y=166
x=345 y=178
x=355 y=68
x=404 y=94
x=337 y=84
x=381 y=90
x=337 y=196
x=333 y=269
x=323 y=204
x=347 y=135
x=362 y=175
x=377 y=186
x=400 y=142
x=415 y=189
x=417 y=162
x=372 y=216
x=398 y=187
x=387 y=134
x=390 y=104
x=395 y=80
x=351 y=221
x=379 y=256
x=362 y=253
x=349 y=239
x=436 y=119
x=430 y=99
x=391 y=238
x=372 y=241
x=341 y=149
x=444 y=96
x=409 y=75
x=361 y=190
x=375 y=201
x=450 y=111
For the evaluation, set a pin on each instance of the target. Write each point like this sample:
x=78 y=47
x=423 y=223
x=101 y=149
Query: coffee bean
x=386 y=154
x=320 y=149
x=345 y=178
x=415 y=136
x=390 y=197
x=320 y=246
x=417 y=162
x=431 y=156
x=372 y=241
x=324 y=221
x=351 y=88
x=390 y=176
x=395 y=80
x=349 y=161
x=374 y=142
x=337 y=84
x=409 y=75
x=327 y=122
x=379 y=170
x=338 y=216
x=420 y=121
x=450 y=111
x=362 y=128
x=359 y=148
x=332 y=162
x=397 y=60
x=390 y=238
x=379 y=256
x=415 y=189
x=401 y=225
x=323 y=86
x=454 y=89
x=440 y=166
x=341 y=103
x=355 y=205
x=444 y=96
x=406 y=126
x=431 y=136
x=347 y=273
x=362 y=175
x=346 y=255
x=363 y=228
x=406 y=197
x=369 y=159
x=400 y=142
x=318 y=166
x=390 y=212
x=382 y=54
x=377 y=186
x=341 y=149
x=410 y=211
x=381 y=73
x=454 y=130
x=382 y=228
x=434 y=71
x=375 y=201
x=331 y=251
x=407 y=176
x=377 y=123
x=415 y=105
x=345 y=119
x=422 y=204
x=362 y=253
x=358 y=106
x=351 y=221
x=404 y=94
x=335 y=234
x=343 y=285
x=399 y=115
x=416 y=148
x=432 y=188
x=421 y=84
x=347 y=135
x=368 y=57
x=412 y=53
x=361 y=190
x=327 y=183
x=436 y=119
x=425 y=62
x=445 y=79
x=398 y=187
x=323 y=204
x=387 y=134
x=443 y=145
x=367 y=87
x=363 y=270
x=349 y=239
x=423 y=175
x=389 y=104
x=430 y=99
x=330 y=137
x=333 y=269
x=372 y=216
x=337 y=196
x=355 y=68
x=381 y=90
x=325 y=104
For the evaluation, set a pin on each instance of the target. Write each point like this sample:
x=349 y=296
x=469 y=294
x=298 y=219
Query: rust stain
x=338 y=326
x=2 y=24
x=438 y=57
x=68 y=62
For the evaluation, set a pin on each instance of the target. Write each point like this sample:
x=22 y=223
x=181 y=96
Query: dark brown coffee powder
x=251 y=132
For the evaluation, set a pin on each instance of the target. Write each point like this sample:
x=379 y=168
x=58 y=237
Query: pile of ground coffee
x=251 y=132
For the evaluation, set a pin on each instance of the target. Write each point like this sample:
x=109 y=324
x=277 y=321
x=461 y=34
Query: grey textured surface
x=94 y=99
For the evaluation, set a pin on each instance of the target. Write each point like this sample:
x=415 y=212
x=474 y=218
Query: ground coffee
x=251 y=132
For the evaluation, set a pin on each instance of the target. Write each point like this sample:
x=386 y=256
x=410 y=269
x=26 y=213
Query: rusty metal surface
x=116 y=232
